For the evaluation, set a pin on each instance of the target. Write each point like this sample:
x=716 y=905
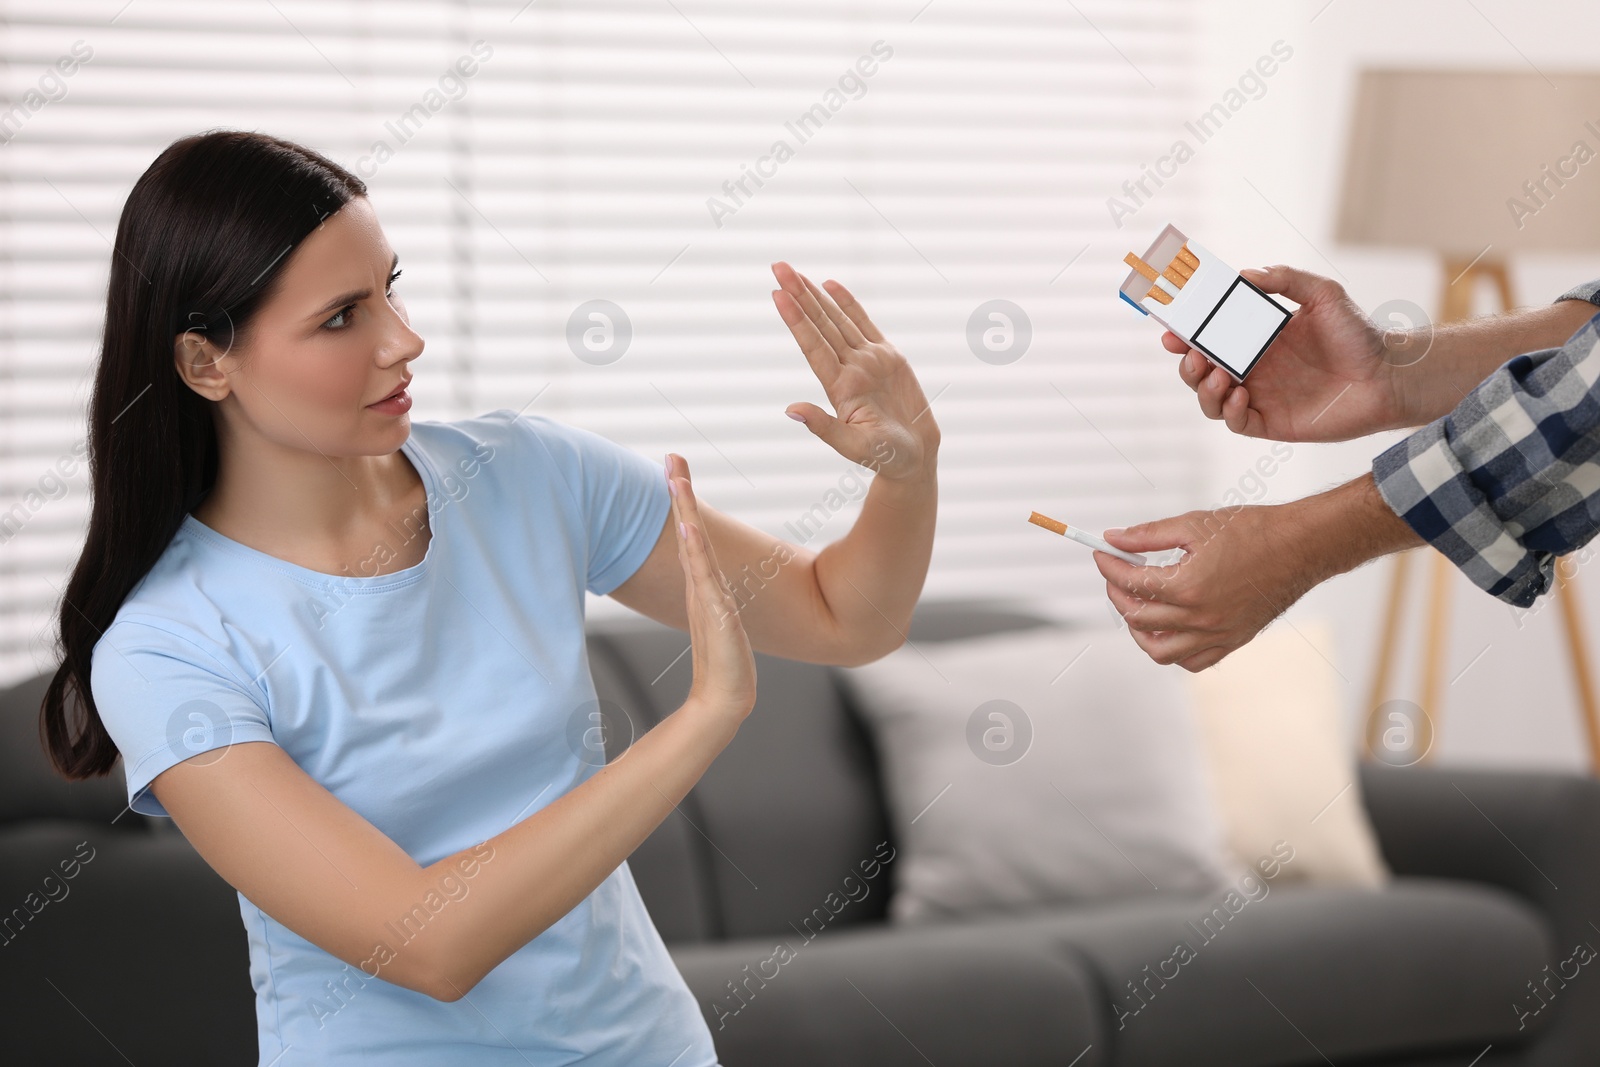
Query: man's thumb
x=1148 y=536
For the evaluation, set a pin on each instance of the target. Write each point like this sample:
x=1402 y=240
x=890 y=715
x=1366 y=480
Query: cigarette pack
x=1204 y=301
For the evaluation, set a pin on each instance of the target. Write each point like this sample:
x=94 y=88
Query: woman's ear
x=199 y=364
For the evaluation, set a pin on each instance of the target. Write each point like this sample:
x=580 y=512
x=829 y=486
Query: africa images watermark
x=50 y=486
x=851 y=85
x=1551 y=982
x=1251 y=85
x=1540 y=191
x=407 y=530
x=848 y=489
x=452 y=888
x=1252 y=888
x=450 y=87
x=52 y=890
x=49 y=88
x=742 y=990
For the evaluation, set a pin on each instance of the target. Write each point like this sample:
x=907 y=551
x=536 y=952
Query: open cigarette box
x=1204 y=301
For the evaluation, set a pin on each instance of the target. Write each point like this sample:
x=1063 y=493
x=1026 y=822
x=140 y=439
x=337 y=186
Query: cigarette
x=1140 y=265
x=1161 y=295
x=1178 y=272
x=1085 y=538
x=1188 y=258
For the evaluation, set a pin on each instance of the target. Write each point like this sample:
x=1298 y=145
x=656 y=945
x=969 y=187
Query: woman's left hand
x=883 y=420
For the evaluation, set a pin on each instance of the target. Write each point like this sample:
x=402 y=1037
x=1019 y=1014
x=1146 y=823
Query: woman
x=345 y=652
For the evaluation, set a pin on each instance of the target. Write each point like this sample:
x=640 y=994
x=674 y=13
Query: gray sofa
x=786 y=842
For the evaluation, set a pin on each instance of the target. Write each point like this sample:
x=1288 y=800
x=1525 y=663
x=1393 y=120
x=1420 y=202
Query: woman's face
x=331 y=341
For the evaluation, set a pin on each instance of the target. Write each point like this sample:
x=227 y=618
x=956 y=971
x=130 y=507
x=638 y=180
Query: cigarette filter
x=1084 y=537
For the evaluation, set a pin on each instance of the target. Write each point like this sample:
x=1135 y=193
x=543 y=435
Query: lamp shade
x=1470 y=162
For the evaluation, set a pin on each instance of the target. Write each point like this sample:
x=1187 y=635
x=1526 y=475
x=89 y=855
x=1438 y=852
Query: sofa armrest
x=1534 y=833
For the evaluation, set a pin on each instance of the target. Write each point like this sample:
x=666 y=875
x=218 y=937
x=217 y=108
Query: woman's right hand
x=1329 y=376
x=724 y=668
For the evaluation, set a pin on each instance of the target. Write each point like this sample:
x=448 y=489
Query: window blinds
x=586 y=197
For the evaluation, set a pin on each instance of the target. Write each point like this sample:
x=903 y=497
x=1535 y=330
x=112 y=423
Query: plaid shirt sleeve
x=1510 y=479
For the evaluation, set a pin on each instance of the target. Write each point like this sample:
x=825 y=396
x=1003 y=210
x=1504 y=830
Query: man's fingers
x=1176 y=532
x=1147 y=615
x=847 y=328
x=1213 y=391
x=1206 y=657
x=1142 y=583
x=1173 y=343
x=1236 y=410
x=853 y=308
x=1166 y=648
x=1192 y=368
x=1296 y=284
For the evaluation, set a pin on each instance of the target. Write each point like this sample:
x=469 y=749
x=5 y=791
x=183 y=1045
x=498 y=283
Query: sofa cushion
x=1043 y=767
x=1309 y=972
x=788 y=810
x=957 y=996
x=30 y=788
x=804 y=751
x=1273 y=725
x=140 y=956
x=672 y=866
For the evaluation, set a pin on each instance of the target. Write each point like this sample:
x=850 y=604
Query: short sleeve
x=164 y=699
x=621 y=496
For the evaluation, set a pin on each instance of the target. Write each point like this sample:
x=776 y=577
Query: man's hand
x=1244 y=567
x=1333 y=374
x=1327 y=377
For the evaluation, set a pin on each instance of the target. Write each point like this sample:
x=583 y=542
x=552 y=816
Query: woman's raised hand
x=724 y=669
x=882 y=420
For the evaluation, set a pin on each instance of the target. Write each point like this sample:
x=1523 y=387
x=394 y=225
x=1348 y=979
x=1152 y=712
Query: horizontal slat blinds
x=939 y=156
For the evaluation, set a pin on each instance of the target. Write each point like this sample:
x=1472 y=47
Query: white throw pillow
x=1038 y=767
x=1282 y=759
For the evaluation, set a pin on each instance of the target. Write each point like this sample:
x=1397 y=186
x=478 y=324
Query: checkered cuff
x=1510 y=479
x=1422 y=481
x=1589 y=291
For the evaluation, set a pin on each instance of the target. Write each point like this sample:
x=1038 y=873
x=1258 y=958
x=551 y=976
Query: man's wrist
x=1405 y=376
x=1433 y=368
x=1349 y=525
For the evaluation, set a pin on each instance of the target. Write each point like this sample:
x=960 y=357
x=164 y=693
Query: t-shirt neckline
x=350 y=583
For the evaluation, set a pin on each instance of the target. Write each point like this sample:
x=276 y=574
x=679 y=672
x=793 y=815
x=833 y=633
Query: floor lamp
x=1472 y=165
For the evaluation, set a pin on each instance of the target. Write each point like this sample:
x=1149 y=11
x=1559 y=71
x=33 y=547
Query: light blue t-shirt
x=443 y=703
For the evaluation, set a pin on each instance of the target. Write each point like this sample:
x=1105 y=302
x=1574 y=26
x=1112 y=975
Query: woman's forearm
x=542 y=867
x=871 y=578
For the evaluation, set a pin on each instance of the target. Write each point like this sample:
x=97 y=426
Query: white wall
x=1268 y=183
